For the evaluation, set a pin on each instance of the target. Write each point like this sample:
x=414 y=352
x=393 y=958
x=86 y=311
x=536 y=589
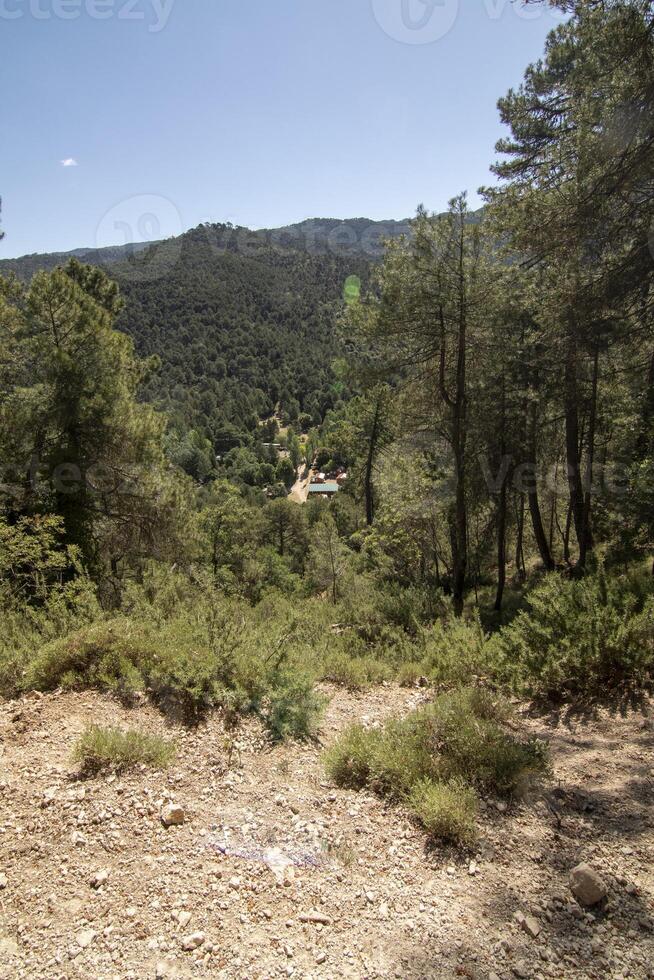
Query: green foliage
x=230 y=529
x=110 y=749
x=33 y=556
x=579 y=636
x=453 y=651
x=285 y=472
x=285 y=527
x=293 y=708
x=349 y=762
x=70 y=419
x=446 y=810
x=409 y=674
x=192 y=452
x=466 y=725
x=436 y=757
x=25 y=628
x=354 y=672
x=328 y=558
x=190 y=651
x=43 y=593
x=107 y=655
x=241 y=325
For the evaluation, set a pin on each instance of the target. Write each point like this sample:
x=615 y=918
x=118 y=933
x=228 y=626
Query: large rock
x=189 y=943
x=172 y=815
x=586 y=885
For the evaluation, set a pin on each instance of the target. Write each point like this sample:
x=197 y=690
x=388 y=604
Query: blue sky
x=259 y=112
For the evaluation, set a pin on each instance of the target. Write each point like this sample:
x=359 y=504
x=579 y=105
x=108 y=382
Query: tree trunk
x=501 y=549
x=368 y=489
x=459 y=433
x=501 y=514
x=586 y=543
x=566 y=539
x=459 y=538
x=534 y=505
x=519 y=552
x=647 y=414
x=572 y=435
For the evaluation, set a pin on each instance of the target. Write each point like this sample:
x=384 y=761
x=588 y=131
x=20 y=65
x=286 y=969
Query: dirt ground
x=277 y=873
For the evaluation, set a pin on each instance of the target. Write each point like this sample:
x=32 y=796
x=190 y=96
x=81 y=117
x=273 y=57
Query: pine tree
x=76 y=441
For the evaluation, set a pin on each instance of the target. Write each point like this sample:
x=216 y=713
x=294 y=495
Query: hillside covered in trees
x=241 y=322
x=473 y=607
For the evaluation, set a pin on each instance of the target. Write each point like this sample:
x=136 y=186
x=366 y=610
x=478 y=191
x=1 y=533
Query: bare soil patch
x=277 y=873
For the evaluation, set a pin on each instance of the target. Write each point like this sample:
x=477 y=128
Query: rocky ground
x=275 y=872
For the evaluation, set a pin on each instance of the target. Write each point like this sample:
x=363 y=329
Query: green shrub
x=101 y=749
x=109 y=655
x=355 y=673
x=403 y=756
x=457 y=742
x=453 y=651
x=465 y=727
x=43 y=593
x=294 y=708
x=579 y=636
x=26 y=627
x=409 y=674
x=348 y=762
x=190 y=663
x=447 y=811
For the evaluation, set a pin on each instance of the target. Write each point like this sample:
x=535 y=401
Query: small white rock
x=85 y=938
x=192 y=942
x=100 y=878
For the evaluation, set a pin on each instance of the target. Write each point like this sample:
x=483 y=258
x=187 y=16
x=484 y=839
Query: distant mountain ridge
x=26 y=265
x=317 y=235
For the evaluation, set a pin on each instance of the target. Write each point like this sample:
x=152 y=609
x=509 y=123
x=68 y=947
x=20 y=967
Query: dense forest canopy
x=488 y=385
x=242 y=323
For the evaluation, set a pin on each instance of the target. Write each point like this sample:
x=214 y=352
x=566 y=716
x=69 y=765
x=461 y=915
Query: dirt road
x=300 y=489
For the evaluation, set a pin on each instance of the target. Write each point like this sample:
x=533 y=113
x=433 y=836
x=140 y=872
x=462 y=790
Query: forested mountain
x=240 y=321
x=334 y=235
x=26 y=265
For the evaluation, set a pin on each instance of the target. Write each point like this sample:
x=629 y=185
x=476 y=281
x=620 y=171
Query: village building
x=325 y=489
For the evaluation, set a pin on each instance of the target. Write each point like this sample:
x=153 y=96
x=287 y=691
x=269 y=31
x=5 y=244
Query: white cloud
x=69 y=162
